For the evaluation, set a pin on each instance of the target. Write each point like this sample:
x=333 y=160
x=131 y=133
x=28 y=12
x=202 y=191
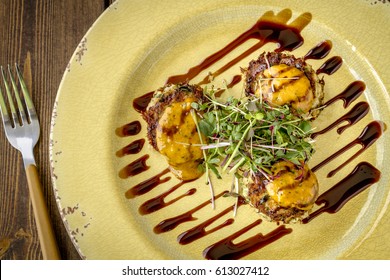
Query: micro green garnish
x=208 y=182
x=248 y=135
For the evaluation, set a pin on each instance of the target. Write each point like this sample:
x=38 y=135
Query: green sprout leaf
x=255 y=135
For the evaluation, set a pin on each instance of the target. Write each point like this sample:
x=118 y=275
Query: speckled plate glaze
x=131 y=50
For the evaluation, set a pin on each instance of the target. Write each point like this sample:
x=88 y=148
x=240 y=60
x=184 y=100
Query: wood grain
x=43 y=34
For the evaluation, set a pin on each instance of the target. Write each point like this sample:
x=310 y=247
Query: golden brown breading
x=287 y=195
x=172 y=130
x=280 y=78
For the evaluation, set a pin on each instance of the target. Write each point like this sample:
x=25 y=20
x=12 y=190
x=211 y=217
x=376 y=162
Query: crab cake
x=172 y=129
x=285 y=196
x=280 y=79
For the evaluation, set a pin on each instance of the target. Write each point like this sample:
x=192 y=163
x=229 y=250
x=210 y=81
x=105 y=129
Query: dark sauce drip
x=269 y=28
x=320 y=51
x=236 y=79
x=129 y=129
x=363 y=176
x=141 y=103
x=350 y=94
x=147 y=185
x=221 y=70
x=287 y=37
x=330 y=66
x=199 y=231
x=219 y=92
x=158 y=202
x=171 y=223
x=133 y=148
x=136 y=167
x=227 y=250
x=369 y=135
x=358 y=112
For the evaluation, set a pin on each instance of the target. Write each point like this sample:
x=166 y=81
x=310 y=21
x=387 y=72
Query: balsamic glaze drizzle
x=266 y=30
x=133 y=148
x=320 y=51
x=199 y=231
x=363 y=176
x=136 y=167
x=171 y=223
x=227 y=250
x=330 y=66
x=236 y=79
x=147 y=185
x=158 y=202
x=358 y=112
x=141 y=103
x=269 y=28
x=350 y=94
x=129 y=129
x=369 y=135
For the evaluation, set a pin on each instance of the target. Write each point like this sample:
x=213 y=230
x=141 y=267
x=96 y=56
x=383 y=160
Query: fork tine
x=10 y=101
x=17 y=97
x=27 y=99
x=3 y=108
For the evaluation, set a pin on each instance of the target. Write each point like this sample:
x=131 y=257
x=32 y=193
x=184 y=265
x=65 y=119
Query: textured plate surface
x=131 y=50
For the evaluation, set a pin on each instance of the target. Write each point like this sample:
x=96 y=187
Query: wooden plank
x=44 y=35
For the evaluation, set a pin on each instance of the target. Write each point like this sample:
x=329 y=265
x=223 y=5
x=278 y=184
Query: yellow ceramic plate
x=131 y=50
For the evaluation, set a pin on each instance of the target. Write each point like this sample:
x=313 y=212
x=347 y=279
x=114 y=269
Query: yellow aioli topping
x=178 y=140
x=293 y=187
x=282 y=84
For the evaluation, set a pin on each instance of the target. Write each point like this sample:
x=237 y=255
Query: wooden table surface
x=41 y=36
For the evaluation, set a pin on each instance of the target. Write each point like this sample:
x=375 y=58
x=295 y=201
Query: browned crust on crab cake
x=288 y=196
x=164 y=97
x=257 y=79
x=172 y=128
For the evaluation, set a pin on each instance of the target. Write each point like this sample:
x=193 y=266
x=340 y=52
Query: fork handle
x=45 y=230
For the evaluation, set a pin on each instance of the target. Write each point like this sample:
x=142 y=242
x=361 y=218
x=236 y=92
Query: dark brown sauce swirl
x=269 y=28
x=158 y=202
x=227 y=250
x=129 y=129
x=350 y=94
x=266 y=30
x=199 y=231
x=320 y=51
x=330 y=66
x=141 y=103
x=147 y=185
x=363 y=176
x=133 y=148
x=171 y=223
x=136 y=167
x=236 y=79
x=358 y=112
x=369 y=135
